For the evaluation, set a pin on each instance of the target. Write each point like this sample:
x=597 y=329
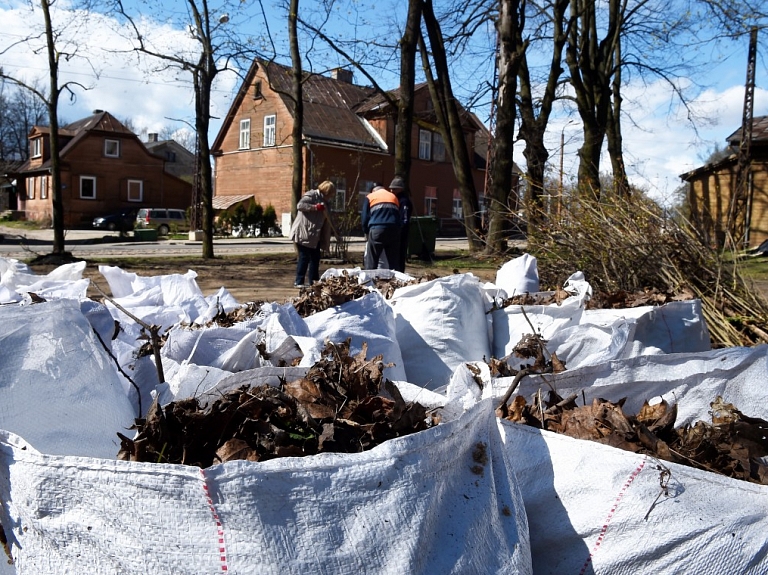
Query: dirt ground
x=248 y=278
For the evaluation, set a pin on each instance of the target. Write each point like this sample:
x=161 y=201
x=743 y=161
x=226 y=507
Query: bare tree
x=51 y=40
x=214 y=46
x=297 y=134
x=20 y=111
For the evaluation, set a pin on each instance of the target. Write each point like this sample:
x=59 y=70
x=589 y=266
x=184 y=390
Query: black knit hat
x=397 y=184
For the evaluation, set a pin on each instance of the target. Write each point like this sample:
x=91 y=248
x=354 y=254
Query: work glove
x=320 y=207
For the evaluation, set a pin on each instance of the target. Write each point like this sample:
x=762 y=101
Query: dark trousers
x=404 y=236
x=386 y=240
x=309 y=260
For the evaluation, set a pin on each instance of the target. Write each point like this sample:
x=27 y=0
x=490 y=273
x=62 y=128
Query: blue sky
x=660 y=142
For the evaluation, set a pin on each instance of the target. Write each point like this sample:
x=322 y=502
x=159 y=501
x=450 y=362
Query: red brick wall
x=112 y=174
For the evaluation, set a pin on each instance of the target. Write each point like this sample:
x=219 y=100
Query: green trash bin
x=145 y=234
x=422 y=236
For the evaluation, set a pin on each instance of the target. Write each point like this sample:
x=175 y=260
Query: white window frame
x=438 y=148
x=458 y=209
x=430 y=206
x=108 y=152
x=30 y=188
x=84 y=179
x=245 y=134
x=425 y=145
x=37 y=147
x=140 y=197
x=339 y=201
x=43 y=187
x=270 y=123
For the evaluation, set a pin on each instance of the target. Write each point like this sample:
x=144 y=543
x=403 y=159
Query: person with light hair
x=311 y=232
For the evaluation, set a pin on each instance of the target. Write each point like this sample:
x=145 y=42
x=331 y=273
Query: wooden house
x=348 y=137
x=710 y=190
x=104 y=168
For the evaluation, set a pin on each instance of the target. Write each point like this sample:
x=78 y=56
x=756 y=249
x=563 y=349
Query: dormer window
x=112 y=148
x=257 y=95
x=37 y=147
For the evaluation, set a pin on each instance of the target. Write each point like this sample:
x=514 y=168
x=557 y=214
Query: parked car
x=122 y=220
x=163 y=220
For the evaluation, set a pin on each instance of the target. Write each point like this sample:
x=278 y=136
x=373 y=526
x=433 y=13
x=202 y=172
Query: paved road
x=87 y=244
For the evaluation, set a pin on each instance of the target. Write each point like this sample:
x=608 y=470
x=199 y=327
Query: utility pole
x=739 y=213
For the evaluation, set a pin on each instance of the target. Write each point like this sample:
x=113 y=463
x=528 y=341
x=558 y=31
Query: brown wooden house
x=348 y=137
x=710 y=189
x=104 y=168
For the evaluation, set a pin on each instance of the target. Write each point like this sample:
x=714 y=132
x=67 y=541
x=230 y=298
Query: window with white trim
x=425 y=145
x=245 y=134
x=430 y=206
x=438 y=148
x=112 y=148
x=458 y=209
x=269 y=130
x=88 y=187
x=30 y=188
x=339 y=201
x=37 y=147
x=43 y=187
x=135 y=190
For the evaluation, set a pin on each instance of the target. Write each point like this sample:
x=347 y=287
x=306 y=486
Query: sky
x=660 y=141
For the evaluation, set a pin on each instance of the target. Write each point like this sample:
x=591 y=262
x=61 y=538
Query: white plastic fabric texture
x=439 y=501
x=58 y=387
x=441 y=324
x=367 y=319
x=519 y=276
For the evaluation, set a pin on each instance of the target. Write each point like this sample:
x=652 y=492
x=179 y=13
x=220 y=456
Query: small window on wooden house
x=269 y=130
x=135 y=190
x=43 y=187
x=36 y=147
x=88 y=187
x=245 y=134
x=112 y=148
x=30 y=188
x=430 y=201
x=257 y=95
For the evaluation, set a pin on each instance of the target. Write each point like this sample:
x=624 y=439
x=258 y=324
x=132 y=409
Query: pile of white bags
x=471 y=495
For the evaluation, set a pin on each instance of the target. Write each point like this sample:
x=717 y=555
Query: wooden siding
x=709 y=198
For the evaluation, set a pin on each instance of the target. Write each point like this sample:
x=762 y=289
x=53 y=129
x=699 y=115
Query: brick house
x=104 y=168
x=710 y=188
x=348 y=137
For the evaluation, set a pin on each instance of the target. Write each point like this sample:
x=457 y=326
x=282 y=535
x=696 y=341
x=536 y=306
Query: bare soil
x=248 y=278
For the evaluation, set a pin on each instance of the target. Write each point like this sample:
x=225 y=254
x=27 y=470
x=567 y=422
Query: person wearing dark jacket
x=381 y=226
x=398 y=188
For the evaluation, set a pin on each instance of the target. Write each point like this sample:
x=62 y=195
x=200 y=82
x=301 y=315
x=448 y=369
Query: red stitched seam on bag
x=611 y=513
x=219 y=528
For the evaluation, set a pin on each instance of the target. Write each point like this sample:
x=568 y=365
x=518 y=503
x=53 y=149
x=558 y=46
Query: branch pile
x=630 y=245
x=337 y=407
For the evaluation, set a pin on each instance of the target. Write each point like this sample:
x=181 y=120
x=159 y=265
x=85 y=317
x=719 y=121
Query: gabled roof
x=329 y=106
x=100 y=121
x=759 y=132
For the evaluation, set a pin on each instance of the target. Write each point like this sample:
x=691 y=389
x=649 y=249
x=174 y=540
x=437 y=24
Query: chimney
x=152 y=137
x=97 y=111
x=342 y=75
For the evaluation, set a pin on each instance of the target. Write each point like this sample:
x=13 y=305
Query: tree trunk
x=405 y=103
x=451 y=129
x=53 y=105
x=613 y=133
x=508 y=27
x=297 y=184
x=203 y=79
x=533 y=127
